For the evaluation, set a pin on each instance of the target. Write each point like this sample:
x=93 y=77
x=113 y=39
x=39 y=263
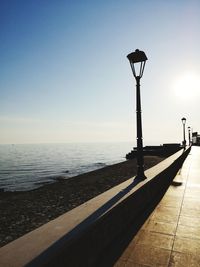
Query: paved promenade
x=171 y=235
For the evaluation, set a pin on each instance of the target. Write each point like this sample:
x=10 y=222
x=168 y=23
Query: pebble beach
x=22 y=212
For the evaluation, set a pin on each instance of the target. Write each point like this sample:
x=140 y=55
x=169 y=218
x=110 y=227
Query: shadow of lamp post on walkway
x=137 y=61
x=184 y=141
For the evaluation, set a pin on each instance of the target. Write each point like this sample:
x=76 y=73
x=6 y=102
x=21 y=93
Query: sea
x=25 y=167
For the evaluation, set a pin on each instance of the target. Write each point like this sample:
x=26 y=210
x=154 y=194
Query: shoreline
x=24 y=211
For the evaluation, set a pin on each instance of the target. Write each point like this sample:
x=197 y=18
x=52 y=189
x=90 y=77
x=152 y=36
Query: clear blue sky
x=64 y=75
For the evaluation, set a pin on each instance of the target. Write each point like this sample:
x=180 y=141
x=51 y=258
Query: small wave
x=42 y=183
x=92 y=165
x=60 y=178
x=101 y=164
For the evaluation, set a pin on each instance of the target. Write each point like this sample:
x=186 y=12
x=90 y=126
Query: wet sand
x=22 y=212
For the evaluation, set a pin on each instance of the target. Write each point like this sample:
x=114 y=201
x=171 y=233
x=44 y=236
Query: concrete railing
x=78 y=237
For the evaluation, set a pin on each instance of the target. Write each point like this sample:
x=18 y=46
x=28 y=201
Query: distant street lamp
x=184 y=141
x=137 y=61
x=189 y=136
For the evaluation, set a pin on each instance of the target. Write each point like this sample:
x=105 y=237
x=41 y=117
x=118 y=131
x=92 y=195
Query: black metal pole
x=184 y=141
x=140 y=159
x=189 y=136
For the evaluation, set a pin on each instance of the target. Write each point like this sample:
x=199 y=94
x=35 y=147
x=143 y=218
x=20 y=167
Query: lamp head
x=135 y=58
x=183 y=120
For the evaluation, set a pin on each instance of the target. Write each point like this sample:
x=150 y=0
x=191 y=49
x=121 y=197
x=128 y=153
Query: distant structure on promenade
x=195 y=139
x=162 y=150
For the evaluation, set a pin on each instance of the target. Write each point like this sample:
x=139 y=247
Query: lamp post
x=184 y=141
x=189 y=136
x=137 y=61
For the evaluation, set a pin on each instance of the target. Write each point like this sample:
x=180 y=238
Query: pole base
x=140 y=177
x=140 y=173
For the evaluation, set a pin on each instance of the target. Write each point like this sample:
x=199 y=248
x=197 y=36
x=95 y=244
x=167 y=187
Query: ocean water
x=25 y=167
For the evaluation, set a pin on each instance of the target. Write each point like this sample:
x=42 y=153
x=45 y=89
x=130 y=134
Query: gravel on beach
x=22 y=212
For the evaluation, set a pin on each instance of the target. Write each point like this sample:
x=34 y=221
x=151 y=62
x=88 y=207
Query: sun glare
x=187 y=86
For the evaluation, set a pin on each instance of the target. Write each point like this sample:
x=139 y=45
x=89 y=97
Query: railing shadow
x=39 y=261
x=114 y=252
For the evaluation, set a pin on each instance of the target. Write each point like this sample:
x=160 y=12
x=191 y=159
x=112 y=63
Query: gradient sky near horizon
x=64 y=75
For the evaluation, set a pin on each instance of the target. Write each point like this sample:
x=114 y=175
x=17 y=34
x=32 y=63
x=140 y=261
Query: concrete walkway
x=171 y=235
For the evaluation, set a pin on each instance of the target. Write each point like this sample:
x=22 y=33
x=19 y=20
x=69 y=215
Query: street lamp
x=137 y=61
x=189 y=136
x=184 y=141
